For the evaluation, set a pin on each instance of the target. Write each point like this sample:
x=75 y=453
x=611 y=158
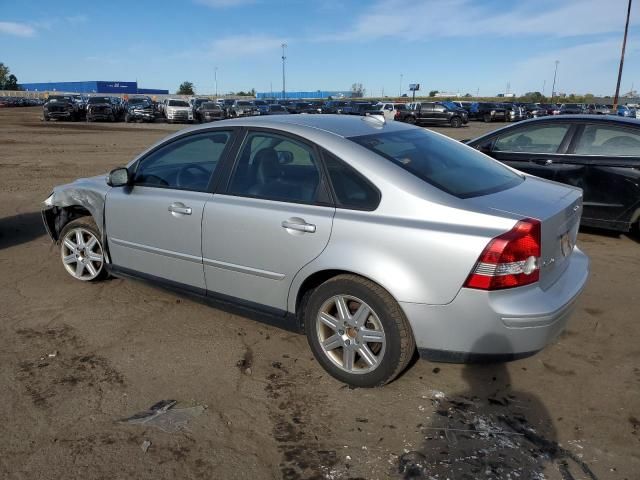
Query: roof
x=340 y=125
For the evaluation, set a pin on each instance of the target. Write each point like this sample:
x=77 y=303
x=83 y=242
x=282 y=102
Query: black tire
x=399 y=342
x=487 y=118
x=46 y=118
x=456 y=122
x=411 y=120
x=127 y=118
x=86 y=223
x=112 y=118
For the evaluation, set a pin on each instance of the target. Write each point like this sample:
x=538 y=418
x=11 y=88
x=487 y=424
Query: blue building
x=95 y=86
x=318 y=94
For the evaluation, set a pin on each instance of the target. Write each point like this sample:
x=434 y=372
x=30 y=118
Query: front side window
x=609 y=141
x=186 y=164
x=444 y=163
x=276 y=168
x=540 y=139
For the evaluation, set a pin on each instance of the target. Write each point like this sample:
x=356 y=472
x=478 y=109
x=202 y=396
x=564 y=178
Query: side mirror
x=119 y=177
x=485 y=148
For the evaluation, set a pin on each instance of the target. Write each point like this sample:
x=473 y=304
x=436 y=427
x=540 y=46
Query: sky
x=466 y=46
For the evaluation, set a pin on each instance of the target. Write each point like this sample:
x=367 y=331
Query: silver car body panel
x=419 y=244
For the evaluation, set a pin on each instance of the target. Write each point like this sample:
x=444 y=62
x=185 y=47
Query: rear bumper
x=500 y=325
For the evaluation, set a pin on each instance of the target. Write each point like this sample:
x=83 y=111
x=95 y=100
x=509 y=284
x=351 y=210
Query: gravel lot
x=75 y=358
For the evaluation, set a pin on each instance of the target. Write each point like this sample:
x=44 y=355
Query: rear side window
x=352 y=190
x=541 y=139
x=442 y=162
x=608 y=140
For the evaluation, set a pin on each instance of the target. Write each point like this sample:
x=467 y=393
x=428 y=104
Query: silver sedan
x=373 y=238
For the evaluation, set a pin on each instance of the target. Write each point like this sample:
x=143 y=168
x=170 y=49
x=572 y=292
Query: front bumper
x=499 y=325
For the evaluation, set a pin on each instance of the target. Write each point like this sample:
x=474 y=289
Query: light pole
x=553 y=88
x=284 y=45
x=624 y=46
x=400 y=94
x=215 y=78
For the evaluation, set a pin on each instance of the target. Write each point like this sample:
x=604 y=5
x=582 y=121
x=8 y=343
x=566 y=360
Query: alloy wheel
x=82 y=254
x=351 y=334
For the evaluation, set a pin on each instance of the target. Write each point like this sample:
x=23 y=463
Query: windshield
x=93 y=100
x=137 y=101
x=244 y=104
x=450 y=105
x=60 y=98
x=178 y=103
x=277 y=108
x=444 y=163
x=570 y=105
x=210 y=106
x=259 y=102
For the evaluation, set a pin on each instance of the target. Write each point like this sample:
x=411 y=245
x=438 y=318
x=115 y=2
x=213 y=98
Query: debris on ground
x=145 y=446
x=164 y=416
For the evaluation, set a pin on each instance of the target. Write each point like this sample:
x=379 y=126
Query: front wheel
x=357 y=331
x=81 y=250
x=411 y=120
x=487 y=118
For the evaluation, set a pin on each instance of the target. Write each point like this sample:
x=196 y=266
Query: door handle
x=543 y=161
x=180 y=208
x=299 y=226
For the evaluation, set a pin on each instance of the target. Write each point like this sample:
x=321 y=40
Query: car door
x=535 y=148
x=439 y=113
x=154 y=227
x=425 y=111
x=273 y=217
x=611 y=178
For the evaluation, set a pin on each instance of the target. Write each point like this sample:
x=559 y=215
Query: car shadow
x=20 y=228
x=634 y=234
x=490 y=430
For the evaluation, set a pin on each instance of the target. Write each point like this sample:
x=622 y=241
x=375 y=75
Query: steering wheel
x=187 y=178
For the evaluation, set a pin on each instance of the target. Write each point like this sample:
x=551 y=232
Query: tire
x=112 y=118
x=384 y=320
x=487 y=118
x=456 y=122
x=411 y=120
x=81 y=250
x=46 y=118
x=127 y=118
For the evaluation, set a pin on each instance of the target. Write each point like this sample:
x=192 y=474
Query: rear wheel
x=357 y=331
x=411 y=120
x=127 y=118
x=456 y=122
x=487 y=118
x=81 y=250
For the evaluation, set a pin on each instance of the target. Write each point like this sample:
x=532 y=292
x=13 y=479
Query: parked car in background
x=598 y=153
x=372 y=238
x=301 y=107
x=433 y=112
x=242 y=108
x=196 y=102
x=514 y=112
x=60 y=107
x=100 y=108
x=261 y=106
x=624 y=111
x=387 y=109
x=316 y=105
x=572 y=109
x=334 y=106
x=597 y=109
x=276 y=109
x=534 y=110
x=178 y=111
x=139 y=109
x=209 y=112
x=489 y=112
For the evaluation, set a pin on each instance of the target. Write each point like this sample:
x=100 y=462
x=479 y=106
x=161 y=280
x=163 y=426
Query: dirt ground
x=75 y=358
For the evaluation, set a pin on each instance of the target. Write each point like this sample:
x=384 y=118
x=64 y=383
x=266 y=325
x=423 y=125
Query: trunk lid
x=558 y=207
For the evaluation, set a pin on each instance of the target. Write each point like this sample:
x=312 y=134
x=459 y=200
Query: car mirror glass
x=119 y=177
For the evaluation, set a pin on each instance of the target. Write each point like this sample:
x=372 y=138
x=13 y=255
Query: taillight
x=509 y=260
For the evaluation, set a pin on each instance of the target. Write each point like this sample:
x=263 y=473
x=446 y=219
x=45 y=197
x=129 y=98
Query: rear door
x=535 y=148
x=611 y=177
x=273 y=217
x=154 y=227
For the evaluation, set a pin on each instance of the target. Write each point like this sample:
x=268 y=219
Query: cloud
x=17 y=29
x=418 y=20
x=224 y=3
x=237 y=45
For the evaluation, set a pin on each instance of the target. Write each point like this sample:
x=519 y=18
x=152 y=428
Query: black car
x=101 y=108
x=489 y=112
x=572 y=109
x=598 y=153
x=301 y=107
x=433 y=112
x=60 y=107
x=209 y=111
x=139 y=109
x=334 y=106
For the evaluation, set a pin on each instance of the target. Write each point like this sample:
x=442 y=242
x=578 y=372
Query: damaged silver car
x=375 y=239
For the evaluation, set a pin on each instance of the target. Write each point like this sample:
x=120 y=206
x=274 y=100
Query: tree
x=357 y=90
x=433 y=93
x=186 y=88
x=467 y=95
x=8 y=81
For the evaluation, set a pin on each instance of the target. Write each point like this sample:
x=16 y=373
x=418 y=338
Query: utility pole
x=284 y=45
x=215 y=79
x=400 y=94
x=544 y=84
x=624 y=46
x=553 y=88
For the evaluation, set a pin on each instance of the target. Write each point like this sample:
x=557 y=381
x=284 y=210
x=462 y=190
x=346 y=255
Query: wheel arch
x=56 y=218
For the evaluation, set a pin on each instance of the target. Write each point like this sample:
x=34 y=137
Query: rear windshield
x=446 y=164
